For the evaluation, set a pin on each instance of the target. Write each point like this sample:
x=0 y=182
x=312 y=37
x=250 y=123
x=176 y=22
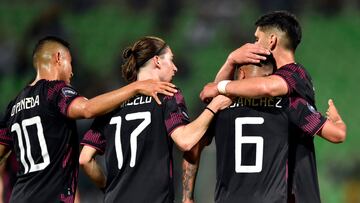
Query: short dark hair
x=284 y=21
x=269 y=61
x=47 y=39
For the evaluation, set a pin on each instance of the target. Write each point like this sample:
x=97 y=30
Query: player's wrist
x=210 y=110
x=221 y=86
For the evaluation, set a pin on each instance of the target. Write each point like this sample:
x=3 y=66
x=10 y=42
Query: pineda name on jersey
x=26 y=103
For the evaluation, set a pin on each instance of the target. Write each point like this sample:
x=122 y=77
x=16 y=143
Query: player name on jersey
x=26 y=103
x=137 y=100
x=272 y=102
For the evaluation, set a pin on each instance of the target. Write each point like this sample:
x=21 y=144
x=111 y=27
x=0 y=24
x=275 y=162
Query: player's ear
x=58 y=57
x=241 y=74
x=273 y=41
x=156 y=60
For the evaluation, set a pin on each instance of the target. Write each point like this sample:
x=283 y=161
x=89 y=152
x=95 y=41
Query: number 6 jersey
x=45 y=142
x=254 y=138
x=138 y=148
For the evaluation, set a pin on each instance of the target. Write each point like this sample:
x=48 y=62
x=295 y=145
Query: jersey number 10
x=146 y=116
x=40 y=135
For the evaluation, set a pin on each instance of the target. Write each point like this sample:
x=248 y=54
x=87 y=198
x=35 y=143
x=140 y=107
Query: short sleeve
x=303 y=115
x=61 y=95
x=175 y=112
x=95 y=137
x=298 y=81
x=5 y=135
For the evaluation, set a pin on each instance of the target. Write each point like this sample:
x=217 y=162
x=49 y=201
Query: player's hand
x=152 y=88
x=220 y=102
x=248 y=53
x=209 y=91
x=332 y=113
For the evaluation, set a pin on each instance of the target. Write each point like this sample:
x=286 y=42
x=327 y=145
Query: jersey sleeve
x=298 y=81
x=61 y=95
x=94 y=137
x=303 y=115
x=175 y=112
x=5 y=136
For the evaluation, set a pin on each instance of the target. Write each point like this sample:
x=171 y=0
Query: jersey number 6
x=240 y=140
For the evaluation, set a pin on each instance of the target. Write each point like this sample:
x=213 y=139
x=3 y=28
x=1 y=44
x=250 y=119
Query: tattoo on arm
x=189 y=176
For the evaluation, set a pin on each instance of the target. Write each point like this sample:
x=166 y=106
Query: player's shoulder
x=178 y=97
x=294 y=68
x=58 y=84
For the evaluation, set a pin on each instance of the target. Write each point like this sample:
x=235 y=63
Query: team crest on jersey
x=68 y=92
x=311 y=108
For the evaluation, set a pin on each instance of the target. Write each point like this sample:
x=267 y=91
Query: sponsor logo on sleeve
x=68 y=92
x=311 y=108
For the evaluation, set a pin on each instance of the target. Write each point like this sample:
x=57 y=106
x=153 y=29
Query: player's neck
x=45 y=74
x=147 y=73
x=283 y=57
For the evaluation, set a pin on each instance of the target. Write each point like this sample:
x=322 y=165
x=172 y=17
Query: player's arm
x=334 y=129
x=4 y=153
x=190 y=165
x=269 y=86
x=186 y=136
x=248 y=53
x=102 y=104
x=90 y=166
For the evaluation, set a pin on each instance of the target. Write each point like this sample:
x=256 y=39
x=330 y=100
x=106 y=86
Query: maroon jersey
x=45 y=142
x=303 y=180
x=252 y=146
x=136 y=142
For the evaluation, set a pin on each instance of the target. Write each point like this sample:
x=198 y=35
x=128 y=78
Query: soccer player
x=279 y=32
x=253 y=142
x=39 y=124
x=137 y=138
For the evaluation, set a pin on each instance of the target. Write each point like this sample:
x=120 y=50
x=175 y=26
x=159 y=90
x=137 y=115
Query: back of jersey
x=252 y=148
x=45 y=143
x=138 y=149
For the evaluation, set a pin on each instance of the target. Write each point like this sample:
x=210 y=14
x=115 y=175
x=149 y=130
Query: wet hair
x=40 y=44
x=285 y=22
x=137 y=55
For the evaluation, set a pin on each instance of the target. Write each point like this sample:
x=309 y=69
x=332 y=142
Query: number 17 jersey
x=136 y=141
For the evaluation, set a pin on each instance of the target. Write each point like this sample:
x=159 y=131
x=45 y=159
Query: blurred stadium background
x=201 y=34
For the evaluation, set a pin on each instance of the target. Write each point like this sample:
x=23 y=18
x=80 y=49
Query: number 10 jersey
x=45 y=142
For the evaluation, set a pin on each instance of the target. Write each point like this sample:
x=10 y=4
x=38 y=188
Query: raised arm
x=334 y=129
x=90 y=166
x=102 y=104
x=248 y=53
x=186 y=136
